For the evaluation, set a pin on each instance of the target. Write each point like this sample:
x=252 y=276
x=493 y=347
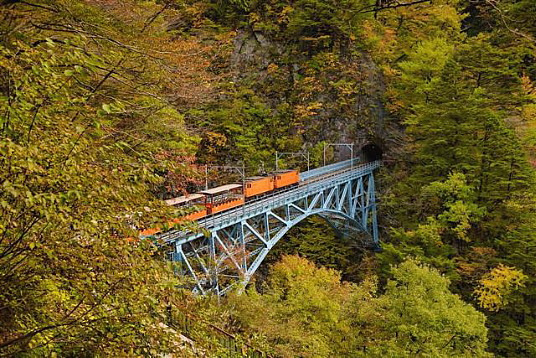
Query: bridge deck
x=311 y=181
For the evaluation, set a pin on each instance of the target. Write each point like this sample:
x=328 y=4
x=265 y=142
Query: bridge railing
x=278 y=198
x=291 y=194
x=329 y=168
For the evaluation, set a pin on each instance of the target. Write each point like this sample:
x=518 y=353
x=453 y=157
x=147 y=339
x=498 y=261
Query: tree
x=418 y=315
x=513 y=327
x=303 y=309
x=497 y=285
x=308 y=311
x=81 y=129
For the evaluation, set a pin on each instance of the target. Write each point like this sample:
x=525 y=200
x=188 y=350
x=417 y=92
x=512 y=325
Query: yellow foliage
x=272 y=68
x=528 y=113
x=308 y=110
x=528 y=86
x=495 y=286
x=283 y=17
x=254 y=17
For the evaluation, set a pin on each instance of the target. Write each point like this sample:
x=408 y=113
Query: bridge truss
x=232 y=245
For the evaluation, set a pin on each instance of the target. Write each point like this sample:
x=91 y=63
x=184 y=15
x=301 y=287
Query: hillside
x=108 y=107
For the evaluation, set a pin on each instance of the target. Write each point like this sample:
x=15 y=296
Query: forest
x=107 y=107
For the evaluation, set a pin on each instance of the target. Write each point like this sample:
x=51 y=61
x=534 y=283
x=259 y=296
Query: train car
x=258 y=185
x=147 y=232
x=223 y=198
x=196 y=201
x=283 y=178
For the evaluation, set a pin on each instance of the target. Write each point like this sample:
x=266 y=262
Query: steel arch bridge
x=231 y=245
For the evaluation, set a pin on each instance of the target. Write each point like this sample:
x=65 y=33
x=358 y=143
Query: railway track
x=315 y=180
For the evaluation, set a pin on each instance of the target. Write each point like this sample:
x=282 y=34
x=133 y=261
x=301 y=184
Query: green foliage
x=307 y=311
x=80 y=137
x=457 y=210
x=247 y=129
x=417 y=315
x=302 y=309
x=513 y=328
x=421 y=69
x=464 y=100
x=451 y=216
x=95 y=99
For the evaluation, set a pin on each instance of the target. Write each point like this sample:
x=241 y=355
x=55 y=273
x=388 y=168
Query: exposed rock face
x=253 y=49
x=343 y=95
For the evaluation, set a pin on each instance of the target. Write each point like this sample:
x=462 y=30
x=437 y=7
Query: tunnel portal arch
x=371 y=152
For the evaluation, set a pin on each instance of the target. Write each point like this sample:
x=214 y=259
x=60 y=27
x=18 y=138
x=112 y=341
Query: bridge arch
x=235 y=243
x=290 y=224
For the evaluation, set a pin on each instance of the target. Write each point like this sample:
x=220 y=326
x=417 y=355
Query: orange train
x=225 y=197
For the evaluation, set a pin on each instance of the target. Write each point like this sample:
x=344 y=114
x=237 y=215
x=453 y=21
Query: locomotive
x=225 y=197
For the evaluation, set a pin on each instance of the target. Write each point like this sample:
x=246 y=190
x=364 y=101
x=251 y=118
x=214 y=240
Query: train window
x=249 y=185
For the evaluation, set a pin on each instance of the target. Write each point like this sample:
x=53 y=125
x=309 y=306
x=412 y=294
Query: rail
x=329 y=168
x=276 y=198
x=313 y=184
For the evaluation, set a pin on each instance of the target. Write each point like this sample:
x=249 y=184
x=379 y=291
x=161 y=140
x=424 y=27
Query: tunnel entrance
x=371 y=152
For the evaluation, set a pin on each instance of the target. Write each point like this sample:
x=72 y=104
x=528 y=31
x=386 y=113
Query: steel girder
x=231 y=251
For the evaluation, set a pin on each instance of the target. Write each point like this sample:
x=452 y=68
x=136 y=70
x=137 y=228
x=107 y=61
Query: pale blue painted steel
x=235 y=242
x=329 y=168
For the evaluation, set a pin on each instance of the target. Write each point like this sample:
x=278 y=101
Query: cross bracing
x=233 y=244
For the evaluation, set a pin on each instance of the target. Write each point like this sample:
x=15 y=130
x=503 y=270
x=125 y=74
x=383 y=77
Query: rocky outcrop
x=345 y=95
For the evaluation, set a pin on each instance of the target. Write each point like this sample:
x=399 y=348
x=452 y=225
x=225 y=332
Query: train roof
x=221 y=189
x=183 y=199
x=256 y=178
x=284 y=171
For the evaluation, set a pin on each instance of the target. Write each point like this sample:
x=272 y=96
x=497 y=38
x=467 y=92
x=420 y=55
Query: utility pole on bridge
x=347 y=145
x=278 y=155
